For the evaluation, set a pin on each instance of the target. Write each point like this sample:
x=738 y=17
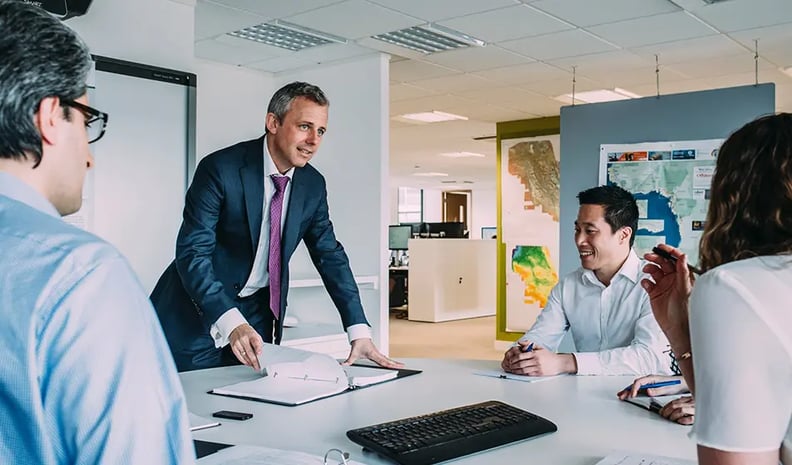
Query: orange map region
x=532 y=264
x=536 y=167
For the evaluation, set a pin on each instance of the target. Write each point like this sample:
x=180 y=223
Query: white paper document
x=503 y=375
x=638 y=459
x=254 y=455
x=293 y=376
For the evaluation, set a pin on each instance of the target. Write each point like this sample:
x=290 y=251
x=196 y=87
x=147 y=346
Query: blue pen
x=671 y=382
x=529 y=348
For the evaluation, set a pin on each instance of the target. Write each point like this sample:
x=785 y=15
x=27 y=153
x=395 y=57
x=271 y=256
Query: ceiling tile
x=719 y=66
x=434 y=102
x=534 y=71
x=354 y=19
x=555 y=87
x=454 y=83
x=435 y=10
x=280 y=64
x=588 y=13
x=407 y=92
x=737 y=15
x=774 y=42
x=235 y=51
x=331 y=52
x=701 y=48
x=276 y=9
x=558 y=45
x=506 y=23
x=411 y=70
x=540 y=105
x=653 y=29
x=497 y=95
x=212 y=19
x=675 y=87
x=477 y=58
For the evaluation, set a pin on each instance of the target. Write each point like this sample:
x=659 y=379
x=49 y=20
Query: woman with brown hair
x=738 y=331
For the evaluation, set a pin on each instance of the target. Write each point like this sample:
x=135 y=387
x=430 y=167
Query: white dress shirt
x=259 y=275
x=613 y=327
x=741 y=335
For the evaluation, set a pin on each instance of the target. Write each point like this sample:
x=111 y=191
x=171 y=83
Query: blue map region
x=659 y=208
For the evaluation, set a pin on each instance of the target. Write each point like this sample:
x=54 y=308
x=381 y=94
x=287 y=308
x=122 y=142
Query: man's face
x=69 y=161
x=598 y=245
x=295 y=140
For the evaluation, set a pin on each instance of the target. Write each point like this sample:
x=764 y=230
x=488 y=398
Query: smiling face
x=601 y=249
x=294 y=140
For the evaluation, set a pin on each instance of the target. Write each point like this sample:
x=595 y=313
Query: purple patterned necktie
x=274 y=264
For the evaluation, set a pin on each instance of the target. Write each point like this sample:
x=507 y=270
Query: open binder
x=294 y=377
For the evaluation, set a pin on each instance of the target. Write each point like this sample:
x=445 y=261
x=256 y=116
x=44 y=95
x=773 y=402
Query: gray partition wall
x=696 y=115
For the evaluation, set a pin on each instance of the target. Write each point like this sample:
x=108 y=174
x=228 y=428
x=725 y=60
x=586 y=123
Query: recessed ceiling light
x=462 y=155
x=286 y=35
x=598 y=96
x=432 y=116
x=430 y=174
x=430 y=38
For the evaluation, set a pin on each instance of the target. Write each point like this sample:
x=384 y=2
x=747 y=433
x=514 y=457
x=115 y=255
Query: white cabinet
x=451 y=279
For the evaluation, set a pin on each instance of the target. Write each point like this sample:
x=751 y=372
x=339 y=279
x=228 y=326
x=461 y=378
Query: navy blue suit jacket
x=219 y=235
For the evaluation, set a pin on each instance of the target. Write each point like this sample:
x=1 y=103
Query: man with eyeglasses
x=73 y=388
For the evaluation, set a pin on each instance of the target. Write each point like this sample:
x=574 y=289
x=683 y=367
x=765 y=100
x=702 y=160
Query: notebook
x=629 y=458
x=247 y=455
x=654 y=404
x=503 y=375
x=293 y=377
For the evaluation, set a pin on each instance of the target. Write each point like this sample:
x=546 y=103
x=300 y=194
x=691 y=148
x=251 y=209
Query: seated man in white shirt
x=601 y=303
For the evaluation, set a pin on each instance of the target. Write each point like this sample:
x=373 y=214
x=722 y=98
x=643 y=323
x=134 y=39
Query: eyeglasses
x=95 y=120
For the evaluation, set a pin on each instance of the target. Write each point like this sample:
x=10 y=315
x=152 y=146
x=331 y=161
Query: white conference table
x=591 y=421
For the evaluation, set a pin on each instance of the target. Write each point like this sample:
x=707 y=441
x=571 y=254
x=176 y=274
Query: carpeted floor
x=470 y=339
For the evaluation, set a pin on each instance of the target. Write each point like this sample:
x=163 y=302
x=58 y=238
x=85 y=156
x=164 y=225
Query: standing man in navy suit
x=215 y=301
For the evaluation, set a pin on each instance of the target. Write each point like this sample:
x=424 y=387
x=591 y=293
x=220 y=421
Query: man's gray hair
x=281 y=101
x=41 y=57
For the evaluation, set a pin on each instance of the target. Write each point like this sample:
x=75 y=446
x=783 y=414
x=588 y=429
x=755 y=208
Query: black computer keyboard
x=440 y=436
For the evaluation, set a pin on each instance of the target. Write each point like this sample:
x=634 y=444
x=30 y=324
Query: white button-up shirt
x=612 y=326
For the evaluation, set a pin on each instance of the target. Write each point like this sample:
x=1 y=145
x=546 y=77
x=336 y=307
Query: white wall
x=354 y=160
x=484 y=212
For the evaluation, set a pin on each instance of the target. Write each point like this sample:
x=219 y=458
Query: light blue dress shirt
x=86 y=375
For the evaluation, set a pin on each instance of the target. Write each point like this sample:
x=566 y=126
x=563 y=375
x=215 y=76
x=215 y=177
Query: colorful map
x=530 y=198
x=671 y=185
x=532 y=263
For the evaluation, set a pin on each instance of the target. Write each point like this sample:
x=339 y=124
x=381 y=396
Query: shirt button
x=237 y=286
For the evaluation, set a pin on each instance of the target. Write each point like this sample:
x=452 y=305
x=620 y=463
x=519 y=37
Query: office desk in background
x=398 y=286
x=591 y=421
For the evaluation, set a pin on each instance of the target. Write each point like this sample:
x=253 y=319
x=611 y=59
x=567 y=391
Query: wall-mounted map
x=671 y=183
x=530 y=198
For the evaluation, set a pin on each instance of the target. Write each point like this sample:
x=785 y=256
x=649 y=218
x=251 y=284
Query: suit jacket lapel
x=252 y=177
x=291 y=228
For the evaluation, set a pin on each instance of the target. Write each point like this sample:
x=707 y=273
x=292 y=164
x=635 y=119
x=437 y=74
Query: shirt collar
x=269 y=165
x=15 y=188
x=630 y=269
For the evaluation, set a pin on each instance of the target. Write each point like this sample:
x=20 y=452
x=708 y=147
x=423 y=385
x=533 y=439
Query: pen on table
x=659 y=384
x=662 y=253
x=529 y=348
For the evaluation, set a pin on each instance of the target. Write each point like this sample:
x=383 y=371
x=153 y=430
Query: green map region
x=532 y=264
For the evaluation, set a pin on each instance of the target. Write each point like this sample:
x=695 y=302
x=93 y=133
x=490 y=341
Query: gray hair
x=41 y=58
x=281 y=102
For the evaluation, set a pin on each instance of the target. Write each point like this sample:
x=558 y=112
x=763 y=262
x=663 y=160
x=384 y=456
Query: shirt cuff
x=359 y=331
x=588 y=363
x=224 y=325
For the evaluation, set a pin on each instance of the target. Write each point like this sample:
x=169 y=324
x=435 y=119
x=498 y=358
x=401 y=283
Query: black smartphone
x=230 y=415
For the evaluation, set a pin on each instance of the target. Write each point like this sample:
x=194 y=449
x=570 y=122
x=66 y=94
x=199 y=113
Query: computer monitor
x=448 y=230
x=489 y=232
x=399 y=236
x=416 y=228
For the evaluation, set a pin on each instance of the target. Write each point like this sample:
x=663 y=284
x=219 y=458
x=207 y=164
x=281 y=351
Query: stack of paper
x=252 y=455
x=637 y=459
